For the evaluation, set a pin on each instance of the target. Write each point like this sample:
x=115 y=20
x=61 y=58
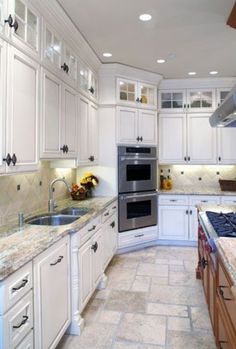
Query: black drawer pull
x=173 y=200
x=113 y=224
x=204 y=263
x=138 y=236
x=25 y=318
x=57 y=261
x=8 y=159
x=24 y=282
x=106 y=214
x=114 y=207
x=93 y=228
x=95 y=247
x=221 y=292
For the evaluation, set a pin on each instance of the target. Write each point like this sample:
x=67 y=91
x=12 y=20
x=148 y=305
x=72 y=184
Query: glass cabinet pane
x=127 y=91
x=84 y=78
x=72 y=63
x=2 y=14
x=147 y=95
x=171 y=100
x=94 y=85
x=223 y=95
x=21 y=29
x=201 y=99
x=20 y=10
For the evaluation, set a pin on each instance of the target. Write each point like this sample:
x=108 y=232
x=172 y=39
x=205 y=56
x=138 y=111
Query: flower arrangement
x=83 y=190
x=89 y=181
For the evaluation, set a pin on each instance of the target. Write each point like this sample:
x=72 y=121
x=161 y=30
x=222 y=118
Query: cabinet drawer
x=17 y=322
x=136 y=237
x=228 y=200
x=15 y=287
x=79 y=238
x=28 y=342
x=204 y=199
x=173 y=200
x=225 y=294
x=110 y=210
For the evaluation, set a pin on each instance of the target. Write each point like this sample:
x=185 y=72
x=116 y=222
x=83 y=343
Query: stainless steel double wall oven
x=137 y=179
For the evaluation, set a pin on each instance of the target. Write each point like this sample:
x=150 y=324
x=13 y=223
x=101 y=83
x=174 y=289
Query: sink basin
x=52 y=219
x=75 y=211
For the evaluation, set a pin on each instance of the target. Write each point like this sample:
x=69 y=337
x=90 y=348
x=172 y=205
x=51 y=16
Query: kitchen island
x=217 y=270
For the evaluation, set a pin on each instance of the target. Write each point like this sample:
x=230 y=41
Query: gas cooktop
x=224 y=224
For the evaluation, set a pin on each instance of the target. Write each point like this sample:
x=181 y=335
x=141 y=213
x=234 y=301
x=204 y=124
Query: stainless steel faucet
x=51 y=203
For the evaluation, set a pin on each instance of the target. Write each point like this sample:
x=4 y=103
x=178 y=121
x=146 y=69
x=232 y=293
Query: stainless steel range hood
x=225 y=114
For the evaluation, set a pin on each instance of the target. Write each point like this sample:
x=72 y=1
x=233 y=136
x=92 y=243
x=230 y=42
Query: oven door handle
x=139 y=196
x=123 y=158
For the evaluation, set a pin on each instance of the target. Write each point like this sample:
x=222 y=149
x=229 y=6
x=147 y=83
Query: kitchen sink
x=52 y=219
x=75 y=211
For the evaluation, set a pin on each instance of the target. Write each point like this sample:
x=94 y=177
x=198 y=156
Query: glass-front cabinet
x=93 y=88
x=136 y=93
x=71 y=63
x=88 y=81
x=52 y=47
x=200 y=100
x=3 y=16
x=221 y=95
x=172 y=101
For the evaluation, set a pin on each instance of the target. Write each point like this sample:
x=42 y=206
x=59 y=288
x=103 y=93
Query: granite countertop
x=18 y=246
x=196 y=191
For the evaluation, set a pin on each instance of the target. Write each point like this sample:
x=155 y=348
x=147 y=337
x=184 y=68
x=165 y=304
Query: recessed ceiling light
x=192 y=73
x=145 y=17
x=161 y=60
x=107 y=54
x=213 y=72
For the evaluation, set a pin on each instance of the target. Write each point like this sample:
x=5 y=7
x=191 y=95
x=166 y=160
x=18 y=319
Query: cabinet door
x=221 y=94
x=52 y=48
x=226 y=145
x=71 y=61
x=147 y=95
x=51 y=140
x=201 y=140
x=52 y=294
x=83 y=131
x=127 y=125
x=172 y=139
x=70 y=121
x=85 y=273
x=173 y=222
x=97 y=258
x=93 y=88
x=4 y=28
x=84 y=77
x=200 y=100
x=193 y=223
x=2 y=104
x=172 y=101
x=147 y=127
x=27 y=35
x=93 y=134
x=22 y=116
x=126 y=91
x=109 y=233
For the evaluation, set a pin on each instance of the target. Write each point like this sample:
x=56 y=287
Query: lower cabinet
x=137 y=237
x=52 y=294
x=109 y=240
x=28 y=342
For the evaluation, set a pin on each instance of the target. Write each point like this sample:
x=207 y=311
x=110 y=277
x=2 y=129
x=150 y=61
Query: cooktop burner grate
x=224 y=224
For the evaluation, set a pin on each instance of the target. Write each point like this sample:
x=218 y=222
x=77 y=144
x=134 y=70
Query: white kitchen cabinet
x=28 y=342
x=221 y=93
x=109 y=240
x=172 y=139
x=4 y=28
x=136 y=93
x=228 y=200
x=52 y=294
x=70 y=60
x=173 y=222
x=137 y=237
x=97 y=258
x=85 y=273
x=88 y=132
x=2 y=104
x=22 y=112
x=226 y=145
x=88 y=82
x=70 y=121
x=172 y=101
x=201 y=147
x=52 y=47
x=59 y=119
x=136 y=126
x=200 y=100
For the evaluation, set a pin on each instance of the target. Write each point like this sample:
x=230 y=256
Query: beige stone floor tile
x=159 y=280
x=102 y=294
x=148 y=329
x=182 y=278
x=121 y=279
x=177 y=295
x=161 y=261
x=109 y=316
x=200 y=318
x=126 y=301
x=189 y=340
x=167 y=309
x=121 y=261
x=129 y=345
x=94 y=336
x=179 y=324
x=176 y=267
x=141 y=284
x=152 y=269
x=91 y=312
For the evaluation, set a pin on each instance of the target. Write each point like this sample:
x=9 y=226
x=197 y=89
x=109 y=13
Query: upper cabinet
x=2 y=104
x=190 y=100
x=136 y=93
x=221 y=94
x=22 y=25
x=58 y=56
x=88 y=82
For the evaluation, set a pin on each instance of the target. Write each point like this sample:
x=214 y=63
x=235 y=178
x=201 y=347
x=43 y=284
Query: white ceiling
x=191 y=34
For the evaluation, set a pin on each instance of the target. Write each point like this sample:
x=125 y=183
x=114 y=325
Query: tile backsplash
x=199 y=177
x=28 y=192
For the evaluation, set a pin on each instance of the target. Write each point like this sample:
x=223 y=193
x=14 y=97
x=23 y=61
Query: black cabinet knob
x=91 y=158
x=138 y=139
x=91 y=90
x=14 y=159
x=95 y=247
x=66 y=149
x=8 y=159
x=188 y=158
x=141 y=139
x=63 y=148
x=137 y=100
x=65 y=67
x=11 y=23
x=219 y=158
